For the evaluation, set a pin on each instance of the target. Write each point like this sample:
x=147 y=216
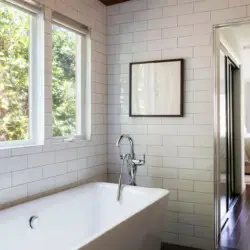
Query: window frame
x=36 y=77
x=81 y=76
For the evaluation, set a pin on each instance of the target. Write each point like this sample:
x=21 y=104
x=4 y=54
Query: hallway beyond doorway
x=236 y=232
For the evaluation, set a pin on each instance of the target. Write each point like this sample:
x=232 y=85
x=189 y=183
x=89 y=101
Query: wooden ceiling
x=112 y=2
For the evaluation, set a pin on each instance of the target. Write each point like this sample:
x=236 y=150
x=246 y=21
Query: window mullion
x=36 y=102
x=39 y=79
x=31 y=79
x=79 y=87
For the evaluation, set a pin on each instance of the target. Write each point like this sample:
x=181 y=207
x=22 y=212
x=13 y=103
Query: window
x=68 y=77
x=20 y=86
x=22 y=75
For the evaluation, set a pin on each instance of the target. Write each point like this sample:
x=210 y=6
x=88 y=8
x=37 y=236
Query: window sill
x=68 y=139
x=18 y=144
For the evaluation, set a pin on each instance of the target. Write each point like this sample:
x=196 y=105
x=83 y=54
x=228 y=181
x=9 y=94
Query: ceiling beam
x=112 y=2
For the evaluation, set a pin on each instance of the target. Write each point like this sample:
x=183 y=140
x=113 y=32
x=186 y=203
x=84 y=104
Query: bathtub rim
x=64 y=189
x=44 y=194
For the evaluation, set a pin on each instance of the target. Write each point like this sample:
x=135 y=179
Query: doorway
x=228 y=192
x=232 y=134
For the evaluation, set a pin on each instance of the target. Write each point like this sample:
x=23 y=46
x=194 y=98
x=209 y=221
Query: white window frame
x=36 y=77
x=83 y=69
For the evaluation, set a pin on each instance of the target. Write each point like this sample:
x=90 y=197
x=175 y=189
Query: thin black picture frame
x=181 y=114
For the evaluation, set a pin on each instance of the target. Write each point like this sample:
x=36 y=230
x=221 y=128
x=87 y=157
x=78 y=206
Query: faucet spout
x=131 y=142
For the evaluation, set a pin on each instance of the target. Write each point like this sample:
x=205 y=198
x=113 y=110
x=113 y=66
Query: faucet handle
x=122 y=156
x=139 y=162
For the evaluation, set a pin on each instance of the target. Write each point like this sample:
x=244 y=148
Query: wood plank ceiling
x=112 y=2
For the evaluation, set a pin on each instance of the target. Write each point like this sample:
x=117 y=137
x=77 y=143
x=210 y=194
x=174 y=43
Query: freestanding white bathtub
x=88 y=218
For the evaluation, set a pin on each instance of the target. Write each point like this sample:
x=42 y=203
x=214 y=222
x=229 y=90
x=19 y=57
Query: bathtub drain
x=33 y=222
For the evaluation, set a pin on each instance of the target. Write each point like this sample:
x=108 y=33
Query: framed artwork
x=156 y=88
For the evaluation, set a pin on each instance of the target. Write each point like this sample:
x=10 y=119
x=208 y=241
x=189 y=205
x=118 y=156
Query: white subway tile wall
x=179 y=151
x=27 y=171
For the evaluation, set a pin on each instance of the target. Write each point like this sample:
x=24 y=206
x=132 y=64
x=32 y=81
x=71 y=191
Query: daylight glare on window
x=14 y=74
x=64 y=43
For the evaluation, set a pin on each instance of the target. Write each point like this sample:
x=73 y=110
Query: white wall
x=245 y=53
x=31 y=170
x=231 y=43
x=179 y=151
x=247 y=107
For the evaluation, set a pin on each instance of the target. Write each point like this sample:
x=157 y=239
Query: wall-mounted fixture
x=156 y=88
x=131 y=162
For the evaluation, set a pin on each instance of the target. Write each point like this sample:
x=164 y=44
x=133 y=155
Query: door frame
x=229 y=62
x=216 y=125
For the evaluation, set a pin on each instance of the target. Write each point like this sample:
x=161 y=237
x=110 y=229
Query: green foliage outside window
x=14 y=68
x=63 y=81
x=14 y=77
